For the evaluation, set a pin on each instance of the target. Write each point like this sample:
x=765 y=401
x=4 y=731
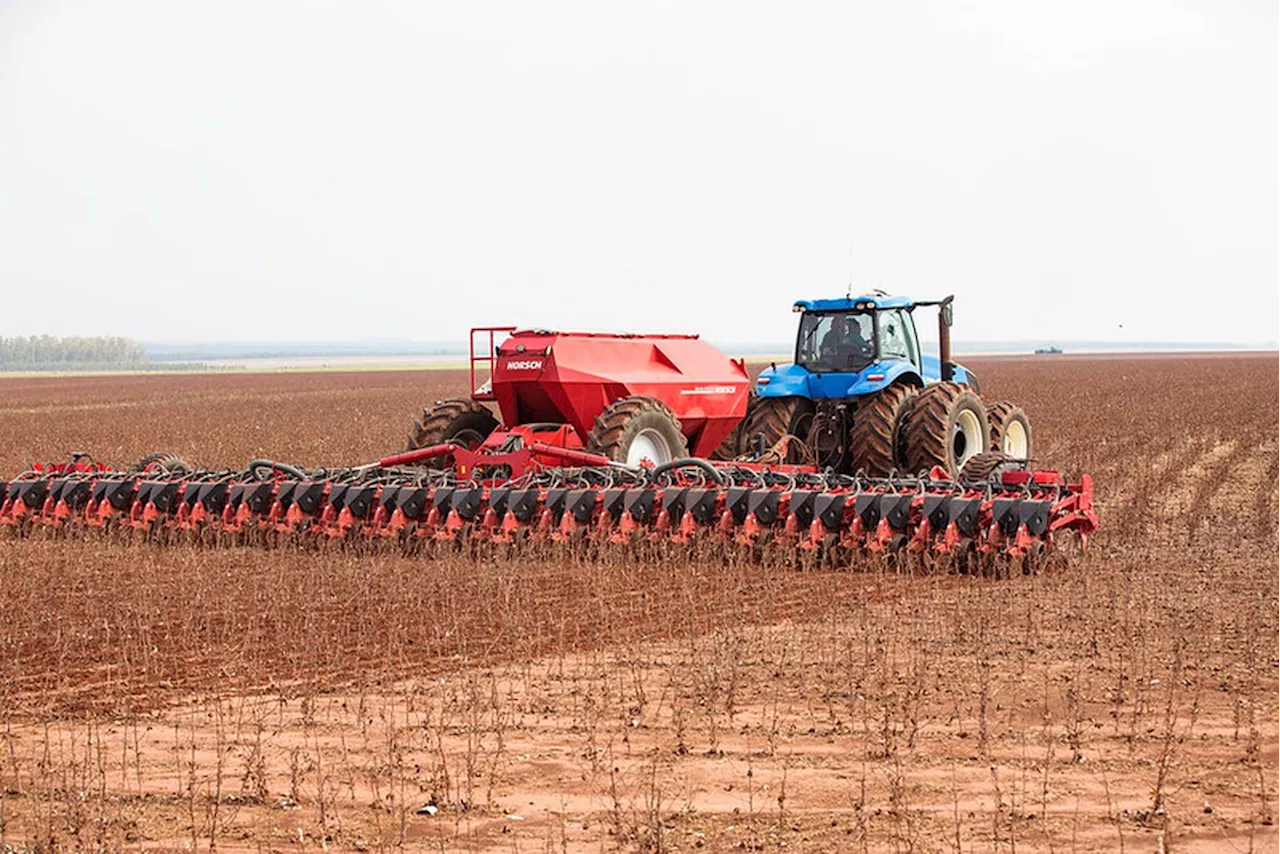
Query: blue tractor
x=862 y=397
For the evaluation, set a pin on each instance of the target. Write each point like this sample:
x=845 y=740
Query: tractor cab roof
x=866 y=302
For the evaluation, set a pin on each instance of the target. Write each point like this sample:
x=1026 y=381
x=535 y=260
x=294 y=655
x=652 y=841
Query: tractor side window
x=812 y=328
x=895 y=337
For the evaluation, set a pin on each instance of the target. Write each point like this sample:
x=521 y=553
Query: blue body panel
x=933 y=371
x=795 y=381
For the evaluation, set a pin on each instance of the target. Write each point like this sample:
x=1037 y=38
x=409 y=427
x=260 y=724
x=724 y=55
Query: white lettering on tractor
x=525 y=365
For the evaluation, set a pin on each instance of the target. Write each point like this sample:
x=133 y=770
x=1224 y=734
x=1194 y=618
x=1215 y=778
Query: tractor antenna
x=848 y=294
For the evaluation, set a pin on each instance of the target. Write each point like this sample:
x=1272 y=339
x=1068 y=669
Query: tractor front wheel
x=1010 y=430
x=636 y=430
x=457 y=420
x=776 y=417
x=946 y=426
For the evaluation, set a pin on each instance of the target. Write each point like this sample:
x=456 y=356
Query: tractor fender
x=961 y=374
x=882 y=375
x=784 y=381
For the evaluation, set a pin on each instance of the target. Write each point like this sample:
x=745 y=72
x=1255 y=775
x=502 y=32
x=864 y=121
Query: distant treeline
x=54 y=350
x=300 y=349
x=77 y=353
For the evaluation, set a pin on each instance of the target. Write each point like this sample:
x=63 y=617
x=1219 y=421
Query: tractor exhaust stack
x=944 y=338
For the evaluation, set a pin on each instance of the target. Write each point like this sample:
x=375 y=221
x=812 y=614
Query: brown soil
x=247 y=700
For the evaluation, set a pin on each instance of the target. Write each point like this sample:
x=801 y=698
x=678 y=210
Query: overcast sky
x=301 y=170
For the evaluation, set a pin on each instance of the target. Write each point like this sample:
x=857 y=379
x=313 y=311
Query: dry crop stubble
x=273 y=699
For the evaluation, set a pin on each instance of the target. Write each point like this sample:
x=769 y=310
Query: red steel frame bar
x=569 y=456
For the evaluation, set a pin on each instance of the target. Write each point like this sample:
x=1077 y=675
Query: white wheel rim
x=967 y=440
x=648 y=445
x=1014 y=441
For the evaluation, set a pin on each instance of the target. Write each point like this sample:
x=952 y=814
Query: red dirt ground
x=251 y=700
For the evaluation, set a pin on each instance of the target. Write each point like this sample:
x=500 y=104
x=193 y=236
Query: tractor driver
x=843 y=344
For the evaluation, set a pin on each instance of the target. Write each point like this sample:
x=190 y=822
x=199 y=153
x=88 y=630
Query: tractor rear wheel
x=775 y=417
x=946 y=426
x=637 y=429
x=1010 y=429
x=458 y=420
x=875 y=440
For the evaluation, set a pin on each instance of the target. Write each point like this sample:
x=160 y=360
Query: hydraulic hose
x=292 y=471
x=708 y=469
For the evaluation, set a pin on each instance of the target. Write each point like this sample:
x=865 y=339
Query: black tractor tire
x=464 y=421
x=875 y=442
x=165 y=462
x=775 y=417
x=988 y=466
x=1010 y=429
x=946 y=426
x=625 y=420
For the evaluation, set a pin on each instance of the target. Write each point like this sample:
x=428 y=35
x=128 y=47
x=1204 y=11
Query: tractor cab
x=849 y=347
x=849 y=340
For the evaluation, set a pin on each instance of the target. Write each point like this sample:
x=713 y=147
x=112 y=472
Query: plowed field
x=250 y=700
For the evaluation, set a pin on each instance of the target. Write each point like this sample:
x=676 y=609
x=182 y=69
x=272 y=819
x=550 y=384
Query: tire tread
x=874 y=441
x=927 y=439
x=431 y=428
x=611 y=425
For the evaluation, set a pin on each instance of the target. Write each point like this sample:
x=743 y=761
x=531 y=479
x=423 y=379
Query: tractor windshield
x=836 y=341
